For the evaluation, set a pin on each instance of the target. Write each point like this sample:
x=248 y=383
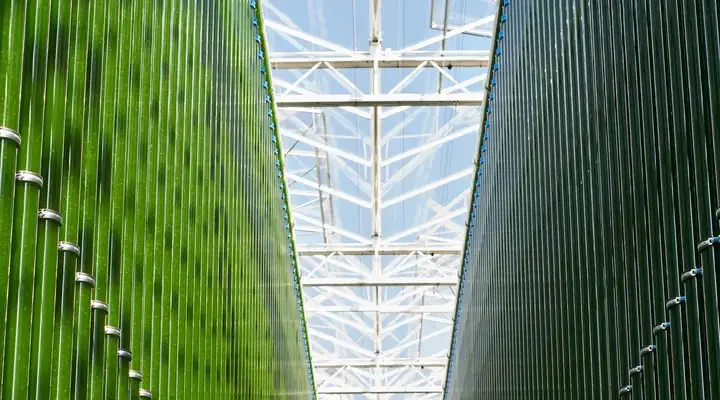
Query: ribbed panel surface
x=142 y=206
x=593 y=242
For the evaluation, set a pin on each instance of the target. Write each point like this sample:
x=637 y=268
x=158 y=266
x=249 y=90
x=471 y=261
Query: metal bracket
x=674 y=302
x=112 y=331
x=661 y=328
x=85 y=278
x=124 y=354
x=11 y=135
x=647 y=350
x=99 y=305
x=691 y=274
x=29 y=177
x=50 y=215
x=710 y=242
x=67 y=247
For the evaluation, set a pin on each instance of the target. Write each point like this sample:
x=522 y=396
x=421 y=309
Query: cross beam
x=380 y=100
x=379 y=281
x=383 y=250
x=384 y=309
x=381 y=390
x=364 y=60
x=386 y=363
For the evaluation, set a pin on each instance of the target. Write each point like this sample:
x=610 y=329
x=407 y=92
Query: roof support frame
x=379 y=282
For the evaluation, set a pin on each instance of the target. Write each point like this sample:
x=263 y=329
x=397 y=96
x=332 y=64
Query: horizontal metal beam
x=379 y=100
x=381 y=390
x=474 y=59
x=385 y=309
x=390 y=250
x=472 y=32
x=389 y=363
x=381 y=281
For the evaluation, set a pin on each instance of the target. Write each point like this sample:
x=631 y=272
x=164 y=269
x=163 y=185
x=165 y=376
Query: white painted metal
x=411 y=309
x=475 y=32
x=388 y=59
x=379 y=145
x=445 y=26
x=380 y=100
x=387 y=363
x=381 y=390
x=380 y=281
x=385 y=250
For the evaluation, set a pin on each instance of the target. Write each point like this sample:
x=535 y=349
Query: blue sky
x=404 y=22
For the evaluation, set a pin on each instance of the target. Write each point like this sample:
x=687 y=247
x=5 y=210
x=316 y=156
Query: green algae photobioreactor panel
x=143 y=212
x=591 y=260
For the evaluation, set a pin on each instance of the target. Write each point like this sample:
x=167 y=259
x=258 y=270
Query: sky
x=404 y=22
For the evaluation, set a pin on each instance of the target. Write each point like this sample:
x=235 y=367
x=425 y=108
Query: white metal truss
x=388 y=59
x=379 y=100
x=379 y=146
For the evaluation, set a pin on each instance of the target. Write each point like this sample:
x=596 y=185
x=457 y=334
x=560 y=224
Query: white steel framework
x=379 y=146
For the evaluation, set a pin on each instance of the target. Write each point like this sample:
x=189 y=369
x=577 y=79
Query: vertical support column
x=443 y=44
x=22 y=284
x=12 y=45
x=375 y=140
x=124 y=252
x=9 y=144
